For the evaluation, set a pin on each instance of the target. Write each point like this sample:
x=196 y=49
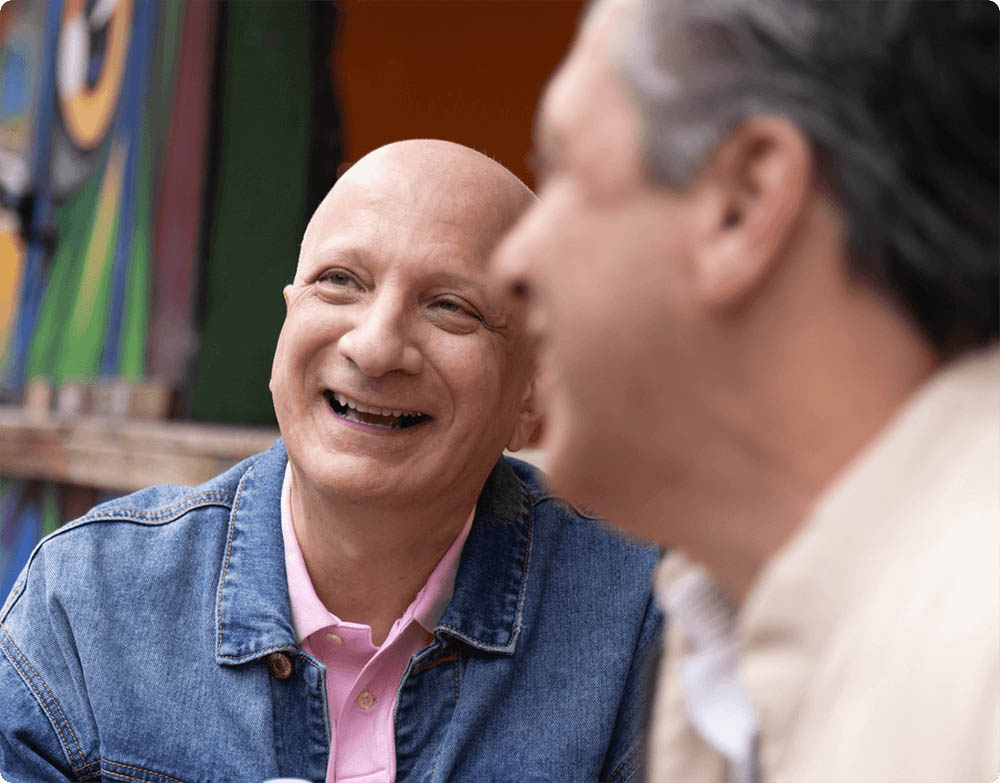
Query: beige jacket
x=870 y=645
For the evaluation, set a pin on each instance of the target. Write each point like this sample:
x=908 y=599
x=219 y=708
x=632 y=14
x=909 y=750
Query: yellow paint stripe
x=102 y=234
x=11 y=265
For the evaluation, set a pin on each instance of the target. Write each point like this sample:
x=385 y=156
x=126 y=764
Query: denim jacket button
x=280 y=665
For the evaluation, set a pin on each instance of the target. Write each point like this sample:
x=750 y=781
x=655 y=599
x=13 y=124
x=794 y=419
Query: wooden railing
x=114 y=436
x=120 y=454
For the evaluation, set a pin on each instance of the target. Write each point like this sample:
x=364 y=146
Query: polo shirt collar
x=252 y=606
x=309 y=614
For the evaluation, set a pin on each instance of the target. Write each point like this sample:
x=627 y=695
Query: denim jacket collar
x=253 y=612
x=486 y=609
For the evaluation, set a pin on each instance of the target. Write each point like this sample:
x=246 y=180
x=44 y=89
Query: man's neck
x=368 y=564
x=735 y=520
x=804 y=406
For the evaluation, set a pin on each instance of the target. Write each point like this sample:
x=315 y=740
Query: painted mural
x=85 y=97
x=83 y=308
x=20 y=55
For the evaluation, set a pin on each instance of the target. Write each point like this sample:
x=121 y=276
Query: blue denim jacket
x=138 y=645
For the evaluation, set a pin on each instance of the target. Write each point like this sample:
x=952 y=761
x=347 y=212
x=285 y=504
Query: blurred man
x=764 y=269
x=378 y=597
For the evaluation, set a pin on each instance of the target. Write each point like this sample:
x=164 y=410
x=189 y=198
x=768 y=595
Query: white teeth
x=354 y=417
x=344 y=400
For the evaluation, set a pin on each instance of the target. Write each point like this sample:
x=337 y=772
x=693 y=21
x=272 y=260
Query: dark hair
x=898 y=98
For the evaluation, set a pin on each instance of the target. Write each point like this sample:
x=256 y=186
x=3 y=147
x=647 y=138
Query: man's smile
x=352 y=410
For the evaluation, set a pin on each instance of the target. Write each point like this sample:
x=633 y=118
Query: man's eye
x=338 y=278
x=452 y=307
x=454 y=316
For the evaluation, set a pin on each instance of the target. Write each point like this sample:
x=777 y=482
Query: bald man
x=381 y=595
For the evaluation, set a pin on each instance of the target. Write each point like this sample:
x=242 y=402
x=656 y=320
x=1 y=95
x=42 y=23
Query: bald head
x=437 y=162
x=428 y=181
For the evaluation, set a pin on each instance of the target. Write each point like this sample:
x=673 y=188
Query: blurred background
x=158 y=163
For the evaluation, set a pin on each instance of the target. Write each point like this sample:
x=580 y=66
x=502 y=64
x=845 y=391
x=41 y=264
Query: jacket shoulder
x=119 y=531
x=165 y=502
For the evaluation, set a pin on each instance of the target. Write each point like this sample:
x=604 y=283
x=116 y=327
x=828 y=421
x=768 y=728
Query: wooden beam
x=121 y=454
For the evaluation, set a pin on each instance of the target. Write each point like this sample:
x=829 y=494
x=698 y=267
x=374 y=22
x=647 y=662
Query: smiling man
x=380 y=596
x=764 y=265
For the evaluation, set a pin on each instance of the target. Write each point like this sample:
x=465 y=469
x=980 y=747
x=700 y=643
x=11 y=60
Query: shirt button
x=365 y=700
x=334 y=638
x=280 y=665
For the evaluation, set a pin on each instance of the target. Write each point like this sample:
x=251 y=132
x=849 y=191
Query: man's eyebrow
x=337 y=253
x=452 y=280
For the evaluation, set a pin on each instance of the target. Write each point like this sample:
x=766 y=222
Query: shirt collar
x=435 y=596
x=309 y=614
x=253 y=608
x=717 y=704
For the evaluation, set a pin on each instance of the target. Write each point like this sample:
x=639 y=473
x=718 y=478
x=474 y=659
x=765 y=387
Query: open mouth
x=352 y=410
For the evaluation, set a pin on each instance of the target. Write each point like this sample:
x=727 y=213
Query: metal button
x=365 y=700
x=334 y=638
x=280 y=665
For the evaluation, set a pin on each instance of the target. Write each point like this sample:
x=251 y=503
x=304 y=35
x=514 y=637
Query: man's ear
x=529 y=419
x=757 y=184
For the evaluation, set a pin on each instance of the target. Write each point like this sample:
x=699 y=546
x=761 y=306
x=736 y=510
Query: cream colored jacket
x=870 y=646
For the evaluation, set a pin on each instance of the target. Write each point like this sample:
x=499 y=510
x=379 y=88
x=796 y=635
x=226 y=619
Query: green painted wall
x=259 y=208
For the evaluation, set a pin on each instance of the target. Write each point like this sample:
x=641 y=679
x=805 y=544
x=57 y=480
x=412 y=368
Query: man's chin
x=358 y=481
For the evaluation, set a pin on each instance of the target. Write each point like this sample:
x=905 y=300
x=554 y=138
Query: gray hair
x=900 y=102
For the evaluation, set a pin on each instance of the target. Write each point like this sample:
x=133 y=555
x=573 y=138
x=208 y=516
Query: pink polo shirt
x=361 y=679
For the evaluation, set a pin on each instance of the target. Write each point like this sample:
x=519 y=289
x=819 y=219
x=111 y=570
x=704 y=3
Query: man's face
x=605 y=257
x=398 y=374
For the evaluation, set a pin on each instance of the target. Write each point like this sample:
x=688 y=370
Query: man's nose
x=380 y=342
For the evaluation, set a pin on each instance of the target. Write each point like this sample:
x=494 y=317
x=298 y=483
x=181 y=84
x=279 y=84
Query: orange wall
x=469 y=71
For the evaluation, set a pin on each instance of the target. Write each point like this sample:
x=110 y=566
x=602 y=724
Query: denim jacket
x=139 y=643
